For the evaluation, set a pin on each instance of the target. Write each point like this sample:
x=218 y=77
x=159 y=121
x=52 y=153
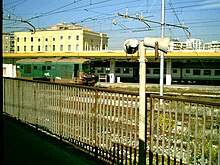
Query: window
x=18 y=48
x=148 y=71
x=77 y=38
x=32 y=39
x=54 y=39
x=188 y=71
x=207 y=72
x=217 y=72
x=61 y=47
x=38 y=39
x=69 y=37
x=18 y=39
x=43 y=67
x=54 y=47
x=125 y=70
x=107 y=70
x=117 y=70
x=174 y=70
x=77 y=47
x=25 y=48
x=61 y=38
x=100 y=70
x=32 y=48
x=38 y=48
x=48 y=67
x=156 y=71
x=46 y=39
x=25 y=39
x=196 y=72
x=69 y=48
x=35 y=67
x=46 y=48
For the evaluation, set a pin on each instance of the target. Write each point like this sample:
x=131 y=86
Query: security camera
x=130 y=46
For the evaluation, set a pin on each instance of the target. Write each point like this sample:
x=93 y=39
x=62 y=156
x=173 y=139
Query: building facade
x=176 y=45
x=8 y=43
x=194 y=44
x=214 y=45
x=60 y=38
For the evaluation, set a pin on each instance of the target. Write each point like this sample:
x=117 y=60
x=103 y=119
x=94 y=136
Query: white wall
x=9 y=70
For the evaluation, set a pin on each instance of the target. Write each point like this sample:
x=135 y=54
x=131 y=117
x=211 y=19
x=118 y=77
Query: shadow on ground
x=25 y=145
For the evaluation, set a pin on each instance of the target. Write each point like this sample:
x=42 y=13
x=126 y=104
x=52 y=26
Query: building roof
x=55 y=59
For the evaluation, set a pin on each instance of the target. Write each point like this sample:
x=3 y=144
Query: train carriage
x=57 y=69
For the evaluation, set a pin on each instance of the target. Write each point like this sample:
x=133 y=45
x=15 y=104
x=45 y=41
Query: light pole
x=131 y=46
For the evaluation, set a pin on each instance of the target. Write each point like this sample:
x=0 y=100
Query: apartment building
x=176 y=45
x=8 y=43
x=214 y=45
x=60 y=38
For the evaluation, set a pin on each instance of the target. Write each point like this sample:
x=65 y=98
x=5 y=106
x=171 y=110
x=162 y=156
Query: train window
x=174 y=70
x=48 y=67
x=117 y=70
x=207 y=72
x=217 y=72
x=53 y=67
x=148 y=71
x=86 y=66
x=43 y=67
x=35 y=67
x=156 y=71
x=100 y=70
x=125 y=70
x=187 y=70
x=196 y=72
x=22 y=66
x=27 y=69
x=107 y=70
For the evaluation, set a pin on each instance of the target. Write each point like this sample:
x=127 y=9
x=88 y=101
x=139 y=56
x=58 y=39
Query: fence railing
x=105 y=123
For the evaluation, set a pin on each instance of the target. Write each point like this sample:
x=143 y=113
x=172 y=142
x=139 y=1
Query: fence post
x=94 y=110
x=142 y=108
x=61 y=113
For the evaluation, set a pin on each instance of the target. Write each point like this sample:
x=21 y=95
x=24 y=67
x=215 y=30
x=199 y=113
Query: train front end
x=88 y=75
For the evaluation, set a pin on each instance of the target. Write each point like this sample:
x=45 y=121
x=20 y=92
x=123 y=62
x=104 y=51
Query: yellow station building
x=59 y=39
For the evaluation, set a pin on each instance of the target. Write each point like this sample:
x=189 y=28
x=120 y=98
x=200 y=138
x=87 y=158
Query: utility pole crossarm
x=156 y=22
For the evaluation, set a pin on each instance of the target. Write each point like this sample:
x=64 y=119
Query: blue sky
x=202 y=17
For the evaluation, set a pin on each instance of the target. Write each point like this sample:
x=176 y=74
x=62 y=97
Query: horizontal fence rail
x=105 y=123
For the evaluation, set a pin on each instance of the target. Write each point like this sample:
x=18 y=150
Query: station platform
x=23 y=144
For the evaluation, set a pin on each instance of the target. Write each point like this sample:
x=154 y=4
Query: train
x=57 y=69
x=182 y=72
x=87 y=71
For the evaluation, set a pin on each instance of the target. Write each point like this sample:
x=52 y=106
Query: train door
x=76 y=70
x=136 y=74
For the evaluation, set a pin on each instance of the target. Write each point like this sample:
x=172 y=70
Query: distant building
x=60 y=38
x=214 y=45
x=194 y=44
x=8 y=43
x=177 y=45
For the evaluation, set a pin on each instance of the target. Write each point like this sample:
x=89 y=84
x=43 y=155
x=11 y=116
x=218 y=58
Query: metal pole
x=162 y=54
x=142 y=109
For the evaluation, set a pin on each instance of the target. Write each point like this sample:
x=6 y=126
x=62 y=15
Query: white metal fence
x=105 y=123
